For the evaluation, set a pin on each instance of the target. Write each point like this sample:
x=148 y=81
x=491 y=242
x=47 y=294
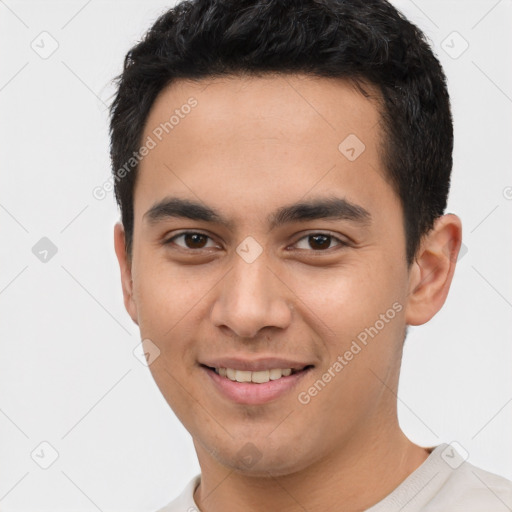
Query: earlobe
x=431 y=273
x=126 y=271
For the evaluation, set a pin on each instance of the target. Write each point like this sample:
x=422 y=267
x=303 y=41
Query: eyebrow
x=329 y=208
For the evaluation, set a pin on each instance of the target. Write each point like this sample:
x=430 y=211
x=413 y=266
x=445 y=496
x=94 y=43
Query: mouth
x=254 y=387
x=256 y=377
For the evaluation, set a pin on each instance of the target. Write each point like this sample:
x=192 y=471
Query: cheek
x=351 y=296
x=166 y=305
x=172 y=302
x=163 y=295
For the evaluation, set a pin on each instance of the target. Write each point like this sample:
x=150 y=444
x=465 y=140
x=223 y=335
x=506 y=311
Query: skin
x=250 y=146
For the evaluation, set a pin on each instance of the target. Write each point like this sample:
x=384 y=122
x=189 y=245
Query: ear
x=432 y=271
x=126 y=271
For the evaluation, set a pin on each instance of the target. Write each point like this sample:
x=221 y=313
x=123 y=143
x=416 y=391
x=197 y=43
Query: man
x=282 y=169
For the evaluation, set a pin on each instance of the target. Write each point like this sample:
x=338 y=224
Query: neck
x=358 y=475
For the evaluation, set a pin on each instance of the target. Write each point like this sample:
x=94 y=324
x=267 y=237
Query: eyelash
x=341 y=243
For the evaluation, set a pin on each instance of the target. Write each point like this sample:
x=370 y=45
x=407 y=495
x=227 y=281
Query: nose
x=250 y=298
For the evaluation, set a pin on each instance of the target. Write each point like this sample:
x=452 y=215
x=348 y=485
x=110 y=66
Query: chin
x=269 y=461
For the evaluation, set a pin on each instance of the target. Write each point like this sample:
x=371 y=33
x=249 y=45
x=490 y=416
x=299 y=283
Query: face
x=249 y=279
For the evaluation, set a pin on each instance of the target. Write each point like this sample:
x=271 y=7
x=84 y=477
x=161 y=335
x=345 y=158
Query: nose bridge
x=252 y=280
x=250 y=298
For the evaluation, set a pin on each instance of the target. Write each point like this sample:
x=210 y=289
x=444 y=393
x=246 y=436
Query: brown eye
x=195 y=240
x=191 y=240
x=319 y=242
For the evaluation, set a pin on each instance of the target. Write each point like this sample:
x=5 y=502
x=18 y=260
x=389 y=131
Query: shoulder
x=469 y=488
x=447 y=482
x=185 y=501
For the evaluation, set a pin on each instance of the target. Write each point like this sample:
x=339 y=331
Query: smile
x=254 y=387
x=259 y=377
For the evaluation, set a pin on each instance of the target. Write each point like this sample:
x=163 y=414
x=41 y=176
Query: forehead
x=266 y=136
x=243 y=104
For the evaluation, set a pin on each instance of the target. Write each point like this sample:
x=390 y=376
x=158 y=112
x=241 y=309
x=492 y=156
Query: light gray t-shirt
x=443 y=483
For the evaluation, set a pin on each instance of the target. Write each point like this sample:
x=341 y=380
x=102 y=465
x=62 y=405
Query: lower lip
x=252 y=393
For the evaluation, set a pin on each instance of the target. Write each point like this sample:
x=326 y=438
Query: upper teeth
x=257 y=377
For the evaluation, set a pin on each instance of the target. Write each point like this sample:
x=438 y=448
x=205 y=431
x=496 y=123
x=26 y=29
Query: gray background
x=68 y=375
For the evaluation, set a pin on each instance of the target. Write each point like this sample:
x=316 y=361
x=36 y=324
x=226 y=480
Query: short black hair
x=362 y=41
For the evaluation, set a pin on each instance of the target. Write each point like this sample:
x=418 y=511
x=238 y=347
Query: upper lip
x=255 y=365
